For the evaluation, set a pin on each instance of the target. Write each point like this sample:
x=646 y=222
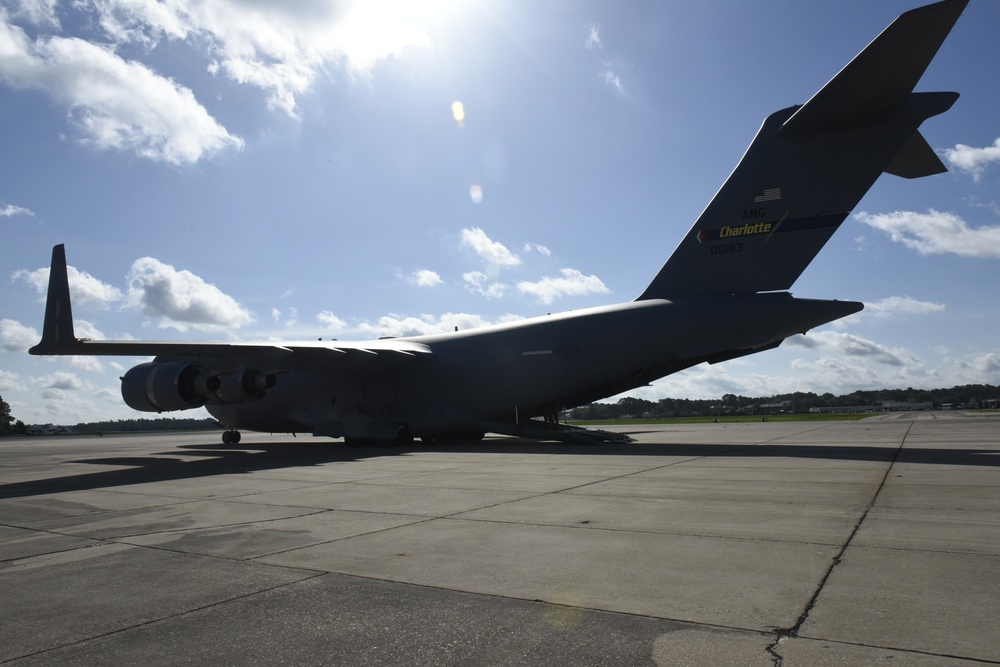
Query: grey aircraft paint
x=720 y=295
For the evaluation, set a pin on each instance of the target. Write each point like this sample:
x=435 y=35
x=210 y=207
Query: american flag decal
x=767 y=194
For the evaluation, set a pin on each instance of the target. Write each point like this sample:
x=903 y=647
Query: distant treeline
x=965 y=396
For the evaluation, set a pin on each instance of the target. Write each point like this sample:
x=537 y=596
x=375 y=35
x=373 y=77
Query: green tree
x=629 y=405
x=6 y=421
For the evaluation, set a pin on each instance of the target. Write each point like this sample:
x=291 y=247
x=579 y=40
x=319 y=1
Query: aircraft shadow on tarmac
x=217 y=459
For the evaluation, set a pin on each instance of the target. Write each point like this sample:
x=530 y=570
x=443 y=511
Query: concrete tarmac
x=831 y=543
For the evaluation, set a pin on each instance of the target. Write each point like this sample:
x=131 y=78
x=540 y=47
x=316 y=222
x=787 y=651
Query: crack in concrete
x=780 y=634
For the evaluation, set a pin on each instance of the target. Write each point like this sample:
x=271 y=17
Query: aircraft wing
x=58 y=339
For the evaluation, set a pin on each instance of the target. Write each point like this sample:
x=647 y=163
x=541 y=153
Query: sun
x=371 y=30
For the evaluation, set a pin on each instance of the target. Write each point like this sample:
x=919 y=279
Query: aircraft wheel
x=230 y=437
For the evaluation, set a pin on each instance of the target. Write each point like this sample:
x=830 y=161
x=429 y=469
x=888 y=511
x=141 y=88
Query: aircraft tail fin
x=810 y=165
x=57 y=329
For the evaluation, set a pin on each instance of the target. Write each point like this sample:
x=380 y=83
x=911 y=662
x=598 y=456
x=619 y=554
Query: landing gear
x=230 y=437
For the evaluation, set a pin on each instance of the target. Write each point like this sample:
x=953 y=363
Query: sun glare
x=374 y=29
x=458 y=111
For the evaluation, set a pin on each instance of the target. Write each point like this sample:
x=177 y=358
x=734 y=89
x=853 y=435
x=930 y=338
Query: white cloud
x=293 y=315
x=280 y=47
x=86 y=363
x=973 y=160
x=897 y=305
x=10 y=211
x=9 y=381
x=608 y=73
x=331 y=321
x=535 y=247
x=63 y=380
x=823 y=361
x=935 y=232
x=86 y=329
x=17 y=337
x=988 y=366
x=425 y=278
x=480 y=283
x=84 y=288
x=87 y=290
x=66 y=398
x=179 y=299
x=492 y=252
x=37 y=12
x=400 y=325
x=611 y=78
x=842 y=375
x=572 y=283
x=840 y=344
x=114 y=103
x=890 y=307
x=706 y=381
x=593 y=39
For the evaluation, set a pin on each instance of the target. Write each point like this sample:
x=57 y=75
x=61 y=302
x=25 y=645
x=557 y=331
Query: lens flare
x=458 y=111
x=476 y=194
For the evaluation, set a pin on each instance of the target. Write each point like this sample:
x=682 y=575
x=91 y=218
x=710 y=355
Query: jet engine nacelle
x=162 y=386
x=245 y=385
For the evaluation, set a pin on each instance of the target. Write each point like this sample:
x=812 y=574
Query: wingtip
x=57 y=328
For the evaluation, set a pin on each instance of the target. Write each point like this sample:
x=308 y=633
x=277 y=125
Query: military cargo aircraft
x=722 y=294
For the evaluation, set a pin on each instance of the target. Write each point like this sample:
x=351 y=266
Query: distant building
x=884 y=406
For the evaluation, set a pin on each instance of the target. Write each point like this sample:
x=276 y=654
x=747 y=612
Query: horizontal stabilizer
x=881 y=77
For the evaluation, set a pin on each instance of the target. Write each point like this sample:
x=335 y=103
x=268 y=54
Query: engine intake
x=163 y=386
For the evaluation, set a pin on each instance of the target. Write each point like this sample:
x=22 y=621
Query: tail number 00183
x=726 y=248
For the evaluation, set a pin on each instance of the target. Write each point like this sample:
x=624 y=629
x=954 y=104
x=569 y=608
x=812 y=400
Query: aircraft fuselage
x=526 y=368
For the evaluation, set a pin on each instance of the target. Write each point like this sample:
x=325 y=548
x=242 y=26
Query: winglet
x=57 y=329
x=916 y=160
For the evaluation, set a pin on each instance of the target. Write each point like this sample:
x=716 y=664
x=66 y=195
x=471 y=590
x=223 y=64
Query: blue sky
x=237 y=169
